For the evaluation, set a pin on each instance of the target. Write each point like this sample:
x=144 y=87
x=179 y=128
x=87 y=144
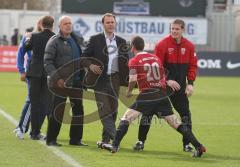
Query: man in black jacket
x=107 y=56
x=39 y=94
x=61 y=62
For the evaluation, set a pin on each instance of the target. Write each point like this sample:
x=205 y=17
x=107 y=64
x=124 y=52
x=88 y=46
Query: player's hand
x=95 y=69
x=60 y=83
x=189 y=90
x=128 y=94
x=174 y=85
x=23 y=77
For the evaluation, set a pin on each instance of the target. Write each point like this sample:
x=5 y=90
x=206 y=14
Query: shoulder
x=99 y=35
x=188 y=43
x=120 y=39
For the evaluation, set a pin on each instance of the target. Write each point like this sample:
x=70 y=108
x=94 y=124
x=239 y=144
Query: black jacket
x=96 y=53
x=37 y=44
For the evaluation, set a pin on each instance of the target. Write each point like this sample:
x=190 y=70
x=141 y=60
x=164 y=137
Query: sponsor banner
x=219 y=63
x=131 y=8
x=152 y=29
x=8 y=58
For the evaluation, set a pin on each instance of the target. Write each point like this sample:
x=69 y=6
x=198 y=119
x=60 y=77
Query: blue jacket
x=20 y=56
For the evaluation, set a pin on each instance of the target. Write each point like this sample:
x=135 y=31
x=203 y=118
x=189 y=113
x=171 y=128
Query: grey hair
x=63 y=17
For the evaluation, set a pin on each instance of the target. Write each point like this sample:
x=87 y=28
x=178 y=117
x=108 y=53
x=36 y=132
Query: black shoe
x=139 y=146
x=100 y=144
x=53 y=143
x=38 y=137
x=187 y=148
x=35 y=137
x=80 y=143
x=199 y=152
x=111 y=148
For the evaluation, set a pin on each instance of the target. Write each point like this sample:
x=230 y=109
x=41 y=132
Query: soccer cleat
x=111 y=148
x=187 y=148
x=139 y=146
x=100 y=143
x=199 y=151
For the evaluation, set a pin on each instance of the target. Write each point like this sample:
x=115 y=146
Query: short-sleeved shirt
x=152 y=84
x=149 y=70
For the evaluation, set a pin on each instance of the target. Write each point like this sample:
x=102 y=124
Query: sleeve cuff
x=190 y=82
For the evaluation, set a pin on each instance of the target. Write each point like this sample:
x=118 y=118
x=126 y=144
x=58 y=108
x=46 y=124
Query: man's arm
x=20 y=60
x=49 y=58
x=88 y=60
x=192 y=72
x=132 y=82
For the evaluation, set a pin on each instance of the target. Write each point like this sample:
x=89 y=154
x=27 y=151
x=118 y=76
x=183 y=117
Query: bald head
x=65 y=25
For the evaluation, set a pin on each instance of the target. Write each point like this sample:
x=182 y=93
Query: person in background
x=39 y=93
x=15 y=37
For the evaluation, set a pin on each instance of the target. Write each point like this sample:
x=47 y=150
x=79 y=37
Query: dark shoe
x=111 y=148
x=80 y=143
x=53 y=143
x=187 y=148
x=139 y=146
x=35 y=137
x=199 y=152
x=38 y=137
x=100 y=143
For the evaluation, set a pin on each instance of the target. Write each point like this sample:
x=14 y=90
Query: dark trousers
x=41 y=102
x=60 y=110
x=25 y=114
x=181 y=105
x=107 y=103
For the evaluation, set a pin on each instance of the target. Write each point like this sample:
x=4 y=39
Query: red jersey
x=149 y=71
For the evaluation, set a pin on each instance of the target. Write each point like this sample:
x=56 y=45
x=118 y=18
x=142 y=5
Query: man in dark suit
x=107 y=57
x=39 y=94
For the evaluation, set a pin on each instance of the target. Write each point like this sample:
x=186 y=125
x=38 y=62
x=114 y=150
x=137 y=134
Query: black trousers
x=180 y=103
x=41 y=102
x=107 y=103
x=61 y=110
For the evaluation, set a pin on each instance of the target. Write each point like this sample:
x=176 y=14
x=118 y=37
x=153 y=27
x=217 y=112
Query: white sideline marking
x=55 y=150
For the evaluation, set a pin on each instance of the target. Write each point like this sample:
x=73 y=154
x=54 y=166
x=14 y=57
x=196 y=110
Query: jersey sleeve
x=192 y=68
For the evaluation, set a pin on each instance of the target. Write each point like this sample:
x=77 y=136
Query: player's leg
x=143 y=129
x=186 y=133
x=181 y=104
x=129 y=116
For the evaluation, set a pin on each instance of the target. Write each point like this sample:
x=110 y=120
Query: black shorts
x=160 y=108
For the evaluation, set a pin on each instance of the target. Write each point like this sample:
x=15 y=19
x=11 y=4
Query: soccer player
x=146 y=70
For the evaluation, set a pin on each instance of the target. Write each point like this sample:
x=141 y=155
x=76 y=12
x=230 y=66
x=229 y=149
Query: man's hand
x=189 y=90
x=95 y=69
x=23 y=77
x=60 y=83
x=174 y=85
x=128 y=94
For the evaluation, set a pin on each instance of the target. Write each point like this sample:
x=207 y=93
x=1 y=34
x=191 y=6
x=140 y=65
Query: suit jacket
x=37 y=44
x=96 y=53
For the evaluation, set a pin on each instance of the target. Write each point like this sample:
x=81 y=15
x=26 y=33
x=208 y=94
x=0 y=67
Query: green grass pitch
x=216 y=123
